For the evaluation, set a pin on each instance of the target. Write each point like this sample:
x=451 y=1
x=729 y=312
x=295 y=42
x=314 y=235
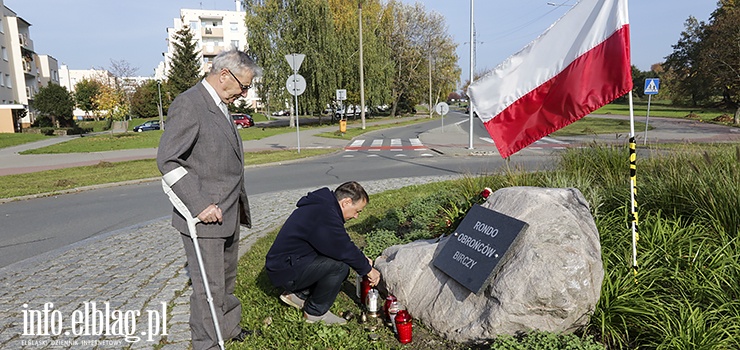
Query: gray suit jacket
x=199 y=138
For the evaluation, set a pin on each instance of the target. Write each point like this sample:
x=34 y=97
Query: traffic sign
x=652 y=85
x=295 y=60
x=341 y=94
x=442 y=108
x=296 y=84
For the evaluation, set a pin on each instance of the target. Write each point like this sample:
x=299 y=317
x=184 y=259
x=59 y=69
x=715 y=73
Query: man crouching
x=312 y=253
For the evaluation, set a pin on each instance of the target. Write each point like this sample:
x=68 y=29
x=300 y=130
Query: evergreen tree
x=184 y=69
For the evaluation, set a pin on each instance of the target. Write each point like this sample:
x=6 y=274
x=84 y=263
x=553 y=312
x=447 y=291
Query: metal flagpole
x=470 y=105
x=647 y=119
x=295 y=105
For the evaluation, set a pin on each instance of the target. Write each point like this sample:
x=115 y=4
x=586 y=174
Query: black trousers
x=320 y=284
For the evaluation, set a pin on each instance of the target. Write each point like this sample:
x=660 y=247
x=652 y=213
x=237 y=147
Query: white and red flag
x=576 y=66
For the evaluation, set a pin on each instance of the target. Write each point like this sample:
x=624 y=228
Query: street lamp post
x=430 y=81
x=362 y=73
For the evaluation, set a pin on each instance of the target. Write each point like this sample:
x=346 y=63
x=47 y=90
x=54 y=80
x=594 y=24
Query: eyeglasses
x=242 y=86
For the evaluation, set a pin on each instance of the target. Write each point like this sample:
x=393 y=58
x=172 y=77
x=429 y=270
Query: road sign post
x=296 y=85
x=652 y=85
x=442 y=108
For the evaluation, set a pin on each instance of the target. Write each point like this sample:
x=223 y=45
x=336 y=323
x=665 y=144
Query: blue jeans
x=320 y=284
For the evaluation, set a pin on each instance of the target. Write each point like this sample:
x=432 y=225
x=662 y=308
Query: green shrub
x=378 y=241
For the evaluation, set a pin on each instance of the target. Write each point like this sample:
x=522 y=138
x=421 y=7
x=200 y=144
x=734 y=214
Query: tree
x=85 y=93
x=720 y=57
x=184 y=69
x=704 y=68
x=690 y=83
x=377 y=64
x=56 y=103
x=417 y=36
x=123 y=72
x=145 y=100
x=113 y=101
x=301 y=26
x=327 y=32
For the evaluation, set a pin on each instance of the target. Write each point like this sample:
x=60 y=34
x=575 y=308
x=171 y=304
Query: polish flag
x=576 y=66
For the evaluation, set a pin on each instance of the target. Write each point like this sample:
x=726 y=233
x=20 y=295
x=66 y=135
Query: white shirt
x=217 y=99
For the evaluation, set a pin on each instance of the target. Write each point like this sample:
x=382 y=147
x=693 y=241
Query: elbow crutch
x=168 y=180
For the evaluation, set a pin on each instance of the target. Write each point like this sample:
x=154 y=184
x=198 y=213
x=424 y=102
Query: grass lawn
x=56 y=180
x=592 y=126
x=9 y=140
x=660 y=109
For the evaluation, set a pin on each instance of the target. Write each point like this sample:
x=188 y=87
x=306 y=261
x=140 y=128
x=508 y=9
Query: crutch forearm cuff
x=174 y=175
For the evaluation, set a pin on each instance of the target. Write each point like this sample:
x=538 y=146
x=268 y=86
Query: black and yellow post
x=633 y=195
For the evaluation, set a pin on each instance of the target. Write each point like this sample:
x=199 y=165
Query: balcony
x=209 y=50
x=211 y=32
x=25 y=41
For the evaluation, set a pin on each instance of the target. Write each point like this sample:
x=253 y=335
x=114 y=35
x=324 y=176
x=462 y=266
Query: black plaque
x=478 y=244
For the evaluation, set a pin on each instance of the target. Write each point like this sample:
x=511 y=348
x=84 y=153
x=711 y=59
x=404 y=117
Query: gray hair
x=237 y=62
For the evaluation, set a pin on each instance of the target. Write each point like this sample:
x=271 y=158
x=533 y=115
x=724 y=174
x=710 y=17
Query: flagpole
x=633 y=185
x=470 y=105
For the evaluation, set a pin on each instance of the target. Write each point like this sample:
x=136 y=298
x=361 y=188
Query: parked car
x=242 y=120
x=353 y=111
x=281 y=113
x=149 y=125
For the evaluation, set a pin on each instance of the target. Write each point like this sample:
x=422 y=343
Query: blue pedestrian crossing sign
x=651 y=86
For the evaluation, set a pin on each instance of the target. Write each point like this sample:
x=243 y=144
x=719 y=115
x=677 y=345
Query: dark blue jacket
x=315 y=228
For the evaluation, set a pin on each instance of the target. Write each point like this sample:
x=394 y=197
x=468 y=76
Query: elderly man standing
x=200 y=139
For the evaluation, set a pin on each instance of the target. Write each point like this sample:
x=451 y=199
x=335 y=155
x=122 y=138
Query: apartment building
x=70 y=77
x=48 y=68
x=22 y=71
x=214 y=31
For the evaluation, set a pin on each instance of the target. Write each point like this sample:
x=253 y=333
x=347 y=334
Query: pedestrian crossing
x=412 y=147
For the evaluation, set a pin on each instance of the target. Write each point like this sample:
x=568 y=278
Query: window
x=235 y=44
x=234 y=26
x=2 y=80
x=8 y=82
x=5 y=53
x=2 y=30
x=194 y=25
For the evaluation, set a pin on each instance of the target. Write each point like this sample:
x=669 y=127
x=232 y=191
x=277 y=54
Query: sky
x=85 y=34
